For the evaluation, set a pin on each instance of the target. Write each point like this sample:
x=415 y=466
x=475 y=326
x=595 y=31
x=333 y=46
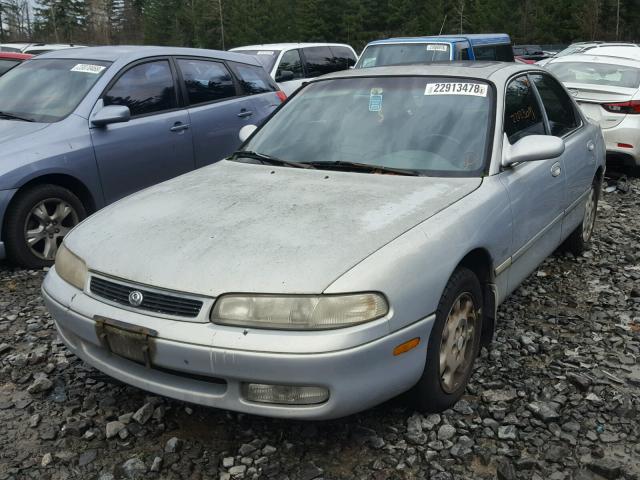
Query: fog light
x=285 y=394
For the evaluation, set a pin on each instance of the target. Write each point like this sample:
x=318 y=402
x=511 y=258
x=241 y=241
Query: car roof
x=285 y=46
x=474 y=39
x=480 y=70
x=15 y=55
x=130 y=53
x=589 y=57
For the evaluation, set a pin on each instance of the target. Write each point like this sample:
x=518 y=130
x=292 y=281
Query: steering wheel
x=459 y=161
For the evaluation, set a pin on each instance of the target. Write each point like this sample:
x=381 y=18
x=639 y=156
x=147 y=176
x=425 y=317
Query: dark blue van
x=438 y=48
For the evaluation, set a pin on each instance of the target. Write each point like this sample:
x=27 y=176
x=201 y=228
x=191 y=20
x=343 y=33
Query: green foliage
x=229 y=23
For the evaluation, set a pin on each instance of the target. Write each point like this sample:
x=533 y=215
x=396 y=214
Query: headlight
x=298 y=312
x=70 y=267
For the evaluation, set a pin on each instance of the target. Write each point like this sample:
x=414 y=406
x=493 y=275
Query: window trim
x=129 y=66
x=577 y=115
x=183 y=86
x=511 y=79
x=302 y=64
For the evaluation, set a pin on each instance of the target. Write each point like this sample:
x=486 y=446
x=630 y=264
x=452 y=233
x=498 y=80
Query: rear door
x=155 y=144
x=217 y=107
x=259 y=88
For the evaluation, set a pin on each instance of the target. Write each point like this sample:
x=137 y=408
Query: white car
x=607 y=90
x=613 y=49
x=290 y=64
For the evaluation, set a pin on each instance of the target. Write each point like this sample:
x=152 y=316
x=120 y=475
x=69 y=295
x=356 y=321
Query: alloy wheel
x=456 y=345
x=46 y=225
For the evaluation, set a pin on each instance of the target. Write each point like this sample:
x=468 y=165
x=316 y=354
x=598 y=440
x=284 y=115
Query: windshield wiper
x=364 y=167
x=15 y=117
x=268 y=159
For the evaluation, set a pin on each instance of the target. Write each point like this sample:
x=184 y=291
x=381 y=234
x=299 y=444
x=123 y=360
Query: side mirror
x=284 y=76
x=246 y=131
x=531 y=148
x=111 y=114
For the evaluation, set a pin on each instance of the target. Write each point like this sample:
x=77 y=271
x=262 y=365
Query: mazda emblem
x=135 y=298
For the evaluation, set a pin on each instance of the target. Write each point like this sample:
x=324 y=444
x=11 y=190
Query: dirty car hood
x=235 y=227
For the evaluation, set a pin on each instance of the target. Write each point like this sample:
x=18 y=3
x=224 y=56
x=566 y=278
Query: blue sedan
x=84 y=127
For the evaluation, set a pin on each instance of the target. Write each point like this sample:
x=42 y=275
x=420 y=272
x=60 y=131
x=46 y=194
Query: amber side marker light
x=406 y=346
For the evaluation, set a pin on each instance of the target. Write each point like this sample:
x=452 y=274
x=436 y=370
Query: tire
x=37 y=220
x=439 y=388
x=578 y=241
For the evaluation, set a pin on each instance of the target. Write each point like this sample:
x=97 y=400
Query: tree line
x=222 y=24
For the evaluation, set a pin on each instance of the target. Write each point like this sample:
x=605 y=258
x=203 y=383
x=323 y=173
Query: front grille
x=152 y=301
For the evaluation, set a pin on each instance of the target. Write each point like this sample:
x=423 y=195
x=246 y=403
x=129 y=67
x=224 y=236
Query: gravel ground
x=556 y=397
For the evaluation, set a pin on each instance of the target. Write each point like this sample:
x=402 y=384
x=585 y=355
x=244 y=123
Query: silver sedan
x=356 y=247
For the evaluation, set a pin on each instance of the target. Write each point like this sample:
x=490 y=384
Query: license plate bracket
x=128 y=341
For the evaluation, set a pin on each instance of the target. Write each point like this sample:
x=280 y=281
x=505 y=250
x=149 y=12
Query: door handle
x=245 y=113
x=555 y=169
x=179 y=126
x=590 y=146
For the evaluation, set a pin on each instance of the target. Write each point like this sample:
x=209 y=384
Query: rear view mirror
x=111 y=114
x=531 y=148
x=284 y=75
x=246 y=131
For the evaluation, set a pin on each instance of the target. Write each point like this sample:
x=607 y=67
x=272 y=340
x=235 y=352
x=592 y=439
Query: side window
x=206 y=81
x=522 y=114
x=146 y=88
x=487 y=52
x=318 y=60
x=559 y=107
x=462 y=51
x=343 y=58
x=253 y=79
x=504 y=53
x=290 y=62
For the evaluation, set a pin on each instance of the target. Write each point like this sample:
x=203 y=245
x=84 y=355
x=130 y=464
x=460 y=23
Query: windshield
x=400 y=53
x=48 y=90
x=266 y=57
x=596 y=73
x=434 y=126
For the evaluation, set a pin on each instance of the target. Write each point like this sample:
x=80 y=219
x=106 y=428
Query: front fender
x=412 y=270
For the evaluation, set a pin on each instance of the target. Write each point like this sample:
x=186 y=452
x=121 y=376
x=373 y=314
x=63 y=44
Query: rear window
x=253 y=79
x=401 y=53
x=596 y=73
x=267 y=58
x=7 y=64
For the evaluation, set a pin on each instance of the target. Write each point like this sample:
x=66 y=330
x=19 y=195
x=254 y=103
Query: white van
x=290 y=64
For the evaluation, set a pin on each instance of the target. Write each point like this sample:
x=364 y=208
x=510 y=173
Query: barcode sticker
x=457 y=88
x=87 y=68
x=438 y=47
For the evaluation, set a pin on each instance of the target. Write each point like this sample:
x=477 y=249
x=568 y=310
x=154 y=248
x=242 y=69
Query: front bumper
x=195 y=367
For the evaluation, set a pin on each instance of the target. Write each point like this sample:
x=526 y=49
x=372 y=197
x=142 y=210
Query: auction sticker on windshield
x=86 y=68
x=457 y=88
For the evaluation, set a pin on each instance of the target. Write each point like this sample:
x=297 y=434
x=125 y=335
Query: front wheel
x=578 y=242
x=37 y=221
x=453 y=344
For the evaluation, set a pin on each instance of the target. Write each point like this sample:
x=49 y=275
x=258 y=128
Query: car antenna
x=442 y=27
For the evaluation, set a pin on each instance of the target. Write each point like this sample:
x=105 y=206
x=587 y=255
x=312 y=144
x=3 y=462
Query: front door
x=536 y=189
x=155 y=144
